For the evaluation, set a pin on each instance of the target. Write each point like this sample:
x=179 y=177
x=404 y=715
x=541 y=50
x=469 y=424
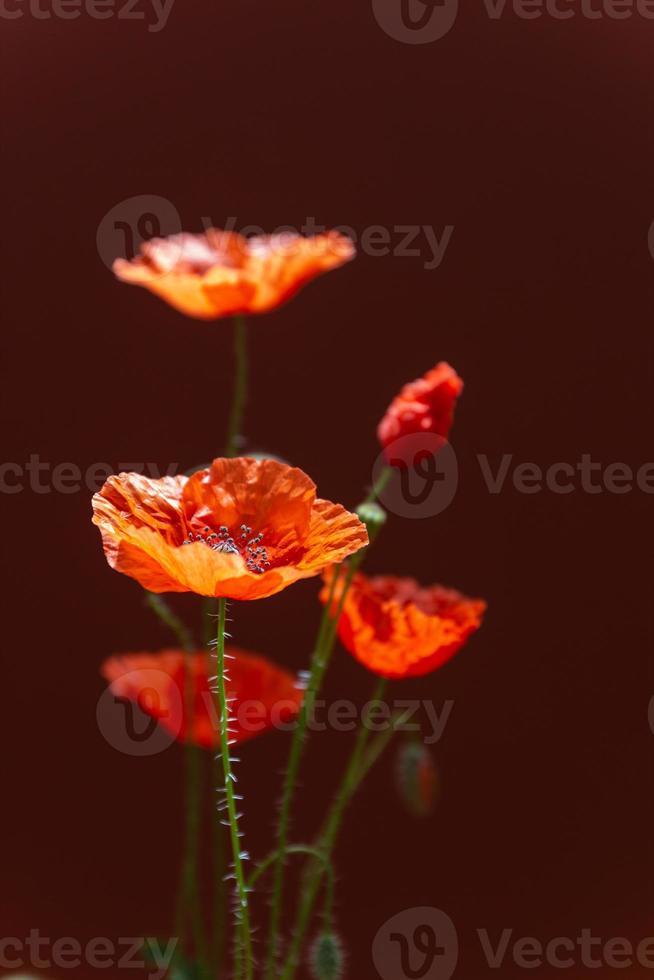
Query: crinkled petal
x=265 y=494
x=396 y=629
x=334 y=535
x=150 y=528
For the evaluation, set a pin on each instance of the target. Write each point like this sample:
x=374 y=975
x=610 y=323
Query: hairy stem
x=296 y=849
x=209 y=607
x=321 y=657
x=245 y=941
x=328 y=838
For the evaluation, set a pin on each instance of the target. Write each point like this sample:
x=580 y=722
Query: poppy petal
x=397 y=629
x=204 y=533
x=262 y=694
x=218 y=274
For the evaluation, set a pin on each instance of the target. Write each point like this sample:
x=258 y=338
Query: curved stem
x=380 y=484
x=332 y=825
x=160 y=608
x=230 y=779
x=240 y=387
x=292 y=849
x=319 y=664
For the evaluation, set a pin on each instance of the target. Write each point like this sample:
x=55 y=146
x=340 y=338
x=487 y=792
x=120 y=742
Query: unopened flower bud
x=373 y=516
x=327 y=957
x=417 y=779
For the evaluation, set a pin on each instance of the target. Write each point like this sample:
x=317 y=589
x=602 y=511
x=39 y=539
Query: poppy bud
x=417 y=779
x=373 y=516
x=422 y=406
x=326 y=958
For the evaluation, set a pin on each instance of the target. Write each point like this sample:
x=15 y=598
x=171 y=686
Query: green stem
x=209 y=607
x=240 y=387
x=380 y=484
x=188 y=904
x=320 y=661
x=378 y=746
x=293 y=849
x=160 y=608
x=328 y=839
x=229 y=778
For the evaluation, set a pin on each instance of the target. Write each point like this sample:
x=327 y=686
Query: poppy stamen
x=255 y=556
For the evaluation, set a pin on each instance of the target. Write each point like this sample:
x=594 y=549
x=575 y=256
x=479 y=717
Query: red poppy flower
x=221 y=273
x=264 y=696
x=242 y=529
x=422 y=406
x=396 y=628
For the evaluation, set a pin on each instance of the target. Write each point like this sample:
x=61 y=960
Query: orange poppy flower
x=221 y=273
x=263 y=696
x=242 y=529
x=423 y=406
x=396 y=628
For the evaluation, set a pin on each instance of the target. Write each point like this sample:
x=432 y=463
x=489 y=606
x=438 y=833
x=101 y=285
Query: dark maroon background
x=534 y=139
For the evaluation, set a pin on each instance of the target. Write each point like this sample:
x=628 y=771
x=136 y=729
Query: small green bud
x=373 y=516
x=417 y=778
x=326 y=957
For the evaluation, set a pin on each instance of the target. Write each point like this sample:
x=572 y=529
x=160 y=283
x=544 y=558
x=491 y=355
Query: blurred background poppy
x=533 y=140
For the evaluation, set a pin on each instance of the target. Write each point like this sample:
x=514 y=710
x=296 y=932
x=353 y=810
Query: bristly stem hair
x=325 y=845
x=244 y=941
x=319 y=663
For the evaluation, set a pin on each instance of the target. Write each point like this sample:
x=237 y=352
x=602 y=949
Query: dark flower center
x=244 y=543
